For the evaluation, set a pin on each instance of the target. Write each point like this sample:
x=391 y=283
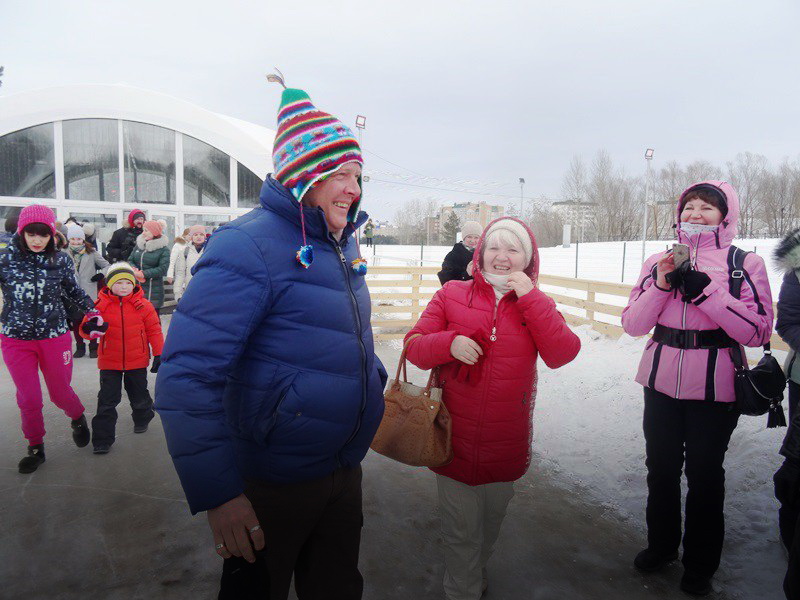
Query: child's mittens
x=96 y=315
x=95 y=327
x=139 y=275
x=156 y=364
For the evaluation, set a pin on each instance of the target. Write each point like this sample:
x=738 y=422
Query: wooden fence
x=409 y=289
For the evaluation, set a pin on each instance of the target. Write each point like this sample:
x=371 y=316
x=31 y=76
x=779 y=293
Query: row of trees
x=603 y=203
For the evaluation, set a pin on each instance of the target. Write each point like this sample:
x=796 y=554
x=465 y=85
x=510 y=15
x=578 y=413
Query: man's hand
x=465 y=349
x=235 y=526
x=520 y=283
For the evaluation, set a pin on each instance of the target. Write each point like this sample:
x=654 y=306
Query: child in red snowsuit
x=124 y=354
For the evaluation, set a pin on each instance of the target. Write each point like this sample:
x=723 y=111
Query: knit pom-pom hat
x=310 y=145
x=36 y=213
x=471 y=228
x=517 y=230
x=154 y=227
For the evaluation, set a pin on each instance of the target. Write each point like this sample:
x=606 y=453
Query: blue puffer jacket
x=269 y=371
x=32 y=287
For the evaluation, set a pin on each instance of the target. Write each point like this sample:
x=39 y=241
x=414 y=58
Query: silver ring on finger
x=255 y=528
x=219 y=547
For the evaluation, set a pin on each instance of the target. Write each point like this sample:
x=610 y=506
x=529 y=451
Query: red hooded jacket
x=133 y=325
x=491 y=413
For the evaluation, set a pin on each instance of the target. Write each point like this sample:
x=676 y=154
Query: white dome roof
x=248 y=143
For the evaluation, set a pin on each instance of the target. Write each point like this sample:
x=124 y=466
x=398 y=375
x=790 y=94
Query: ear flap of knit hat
x=311 y=144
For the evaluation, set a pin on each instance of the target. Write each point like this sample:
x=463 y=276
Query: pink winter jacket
x=701 y=374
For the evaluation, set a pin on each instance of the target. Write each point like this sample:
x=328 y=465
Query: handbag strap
x=433 y=378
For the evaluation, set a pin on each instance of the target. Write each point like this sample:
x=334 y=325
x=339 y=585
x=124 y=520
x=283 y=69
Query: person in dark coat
x=787 y=478
x=269 y=389
x=456 y=262
x=123 y=240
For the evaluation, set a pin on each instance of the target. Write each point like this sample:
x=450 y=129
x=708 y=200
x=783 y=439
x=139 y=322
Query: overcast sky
x=459 y=90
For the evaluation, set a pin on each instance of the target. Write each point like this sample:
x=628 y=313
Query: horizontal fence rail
x=400 y=294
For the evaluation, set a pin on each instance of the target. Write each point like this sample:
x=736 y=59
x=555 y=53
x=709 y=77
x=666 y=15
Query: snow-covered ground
x=588 y=429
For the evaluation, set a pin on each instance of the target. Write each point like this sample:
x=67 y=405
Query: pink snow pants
x=24 y=358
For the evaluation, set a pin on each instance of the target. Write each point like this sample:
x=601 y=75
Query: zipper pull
x=341 y=254
x=493 y=337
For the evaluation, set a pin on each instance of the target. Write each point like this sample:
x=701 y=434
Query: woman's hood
x=532 y=270
x=729 y=226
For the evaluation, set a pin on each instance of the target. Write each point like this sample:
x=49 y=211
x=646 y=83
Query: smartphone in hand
x=681 y=254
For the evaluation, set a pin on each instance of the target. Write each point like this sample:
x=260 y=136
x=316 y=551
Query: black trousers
x=696 y=433
x=789 y=519
x=105 y=421
x=312 y=531
x=369 y=241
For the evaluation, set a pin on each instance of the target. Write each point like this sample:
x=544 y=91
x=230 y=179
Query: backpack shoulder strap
x=736 y=272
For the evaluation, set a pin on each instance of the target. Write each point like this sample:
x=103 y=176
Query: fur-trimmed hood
x=787 y=253
x=151 y=245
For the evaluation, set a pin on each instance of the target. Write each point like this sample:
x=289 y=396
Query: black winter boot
x=80 y=432
x=696 y=584
x=93 y=349
x=31 y=462
x=80 y=350
x=649 y=560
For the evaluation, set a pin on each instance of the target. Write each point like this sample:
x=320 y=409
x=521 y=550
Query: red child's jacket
x=133 y=329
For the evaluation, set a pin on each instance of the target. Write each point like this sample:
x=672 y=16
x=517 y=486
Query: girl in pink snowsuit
x=34 y=333
x=688 y=374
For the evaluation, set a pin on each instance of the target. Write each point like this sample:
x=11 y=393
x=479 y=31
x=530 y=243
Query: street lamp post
x=521 y=200
x=361 y=125
x=648 y=155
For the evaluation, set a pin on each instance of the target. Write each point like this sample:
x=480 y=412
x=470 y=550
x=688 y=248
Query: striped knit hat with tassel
x=309 y=146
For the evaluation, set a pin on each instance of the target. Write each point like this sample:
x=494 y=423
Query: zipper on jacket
x=361 y=346
x=122 y=323
x=35 y=295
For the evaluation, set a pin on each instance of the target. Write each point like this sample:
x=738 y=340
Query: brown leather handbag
x=416 y=428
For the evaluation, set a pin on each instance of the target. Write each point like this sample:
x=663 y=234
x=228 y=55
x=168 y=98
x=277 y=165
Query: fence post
x=416 y=307
x=624 y=248
x=755 y=249
x=421 y=254
x=590 y=300
x=576 y=259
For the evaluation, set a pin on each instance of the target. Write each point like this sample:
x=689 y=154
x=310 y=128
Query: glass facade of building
x=97 y=170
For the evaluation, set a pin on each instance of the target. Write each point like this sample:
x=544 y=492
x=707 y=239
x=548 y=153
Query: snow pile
x=588 y=429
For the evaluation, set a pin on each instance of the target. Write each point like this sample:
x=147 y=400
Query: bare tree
x=749 y=175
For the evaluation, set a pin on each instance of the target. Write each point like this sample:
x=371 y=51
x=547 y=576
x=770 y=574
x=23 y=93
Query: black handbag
x=760 y=390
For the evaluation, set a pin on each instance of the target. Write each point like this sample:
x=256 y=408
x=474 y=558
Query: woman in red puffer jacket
x=485 y=335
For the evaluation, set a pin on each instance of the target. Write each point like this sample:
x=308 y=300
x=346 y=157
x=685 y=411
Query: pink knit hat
x=153 y=227
x=197 y=229
x=36 y=213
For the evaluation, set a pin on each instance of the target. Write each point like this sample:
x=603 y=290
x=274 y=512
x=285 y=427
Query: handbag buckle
x=737 y=274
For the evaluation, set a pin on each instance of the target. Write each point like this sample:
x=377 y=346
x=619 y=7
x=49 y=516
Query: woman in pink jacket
x=486 y=335
x=687 y=374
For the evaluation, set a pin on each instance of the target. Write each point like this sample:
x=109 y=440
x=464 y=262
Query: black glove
x=97 y=277
x=675 y=278
x=156 y=364
x=787 y=483
x=694 y=282
x=91 y=325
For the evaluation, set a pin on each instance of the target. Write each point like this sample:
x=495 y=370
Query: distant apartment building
x=481 y=212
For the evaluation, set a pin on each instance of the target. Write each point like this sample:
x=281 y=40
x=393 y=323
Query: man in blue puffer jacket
x=269 y=389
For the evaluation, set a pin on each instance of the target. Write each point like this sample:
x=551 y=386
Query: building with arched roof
x=94 y=152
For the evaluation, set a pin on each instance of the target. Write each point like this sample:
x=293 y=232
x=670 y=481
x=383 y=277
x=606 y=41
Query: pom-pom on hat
x=120 y=271
x=36 y=213
x=153 y=227
x=75 y=231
